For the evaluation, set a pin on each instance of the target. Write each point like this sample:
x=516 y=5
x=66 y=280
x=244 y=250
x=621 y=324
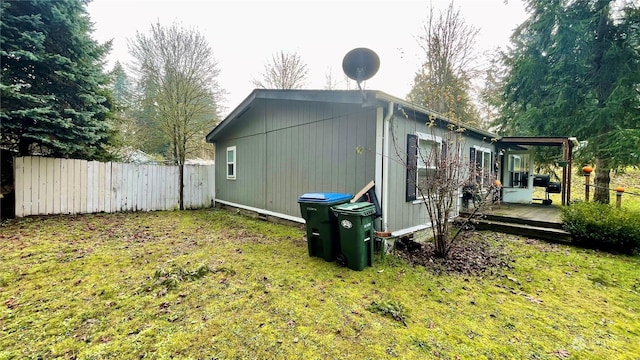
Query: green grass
x=209 y=284
x=629 y=180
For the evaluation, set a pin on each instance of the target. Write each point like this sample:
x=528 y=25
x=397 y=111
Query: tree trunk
x=24 y=146
x=602 y=181
x=441 y=245
x=181 y=185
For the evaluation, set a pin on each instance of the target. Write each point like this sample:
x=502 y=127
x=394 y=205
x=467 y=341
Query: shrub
x=601 y=226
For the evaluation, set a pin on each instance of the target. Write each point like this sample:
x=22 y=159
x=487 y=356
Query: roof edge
x=389 y=98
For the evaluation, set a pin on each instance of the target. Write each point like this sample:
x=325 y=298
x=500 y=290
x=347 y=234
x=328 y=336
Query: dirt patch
x=471 y=255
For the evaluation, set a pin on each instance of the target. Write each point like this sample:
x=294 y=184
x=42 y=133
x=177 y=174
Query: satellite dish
x=360 y=64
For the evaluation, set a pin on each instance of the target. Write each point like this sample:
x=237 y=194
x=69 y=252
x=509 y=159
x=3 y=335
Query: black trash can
x=322 y=223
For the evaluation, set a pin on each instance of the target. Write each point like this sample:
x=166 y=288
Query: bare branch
x=178 y=77
x=285 y=71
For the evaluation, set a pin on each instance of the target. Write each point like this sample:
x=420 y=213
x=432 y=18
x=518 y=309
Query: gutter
x=385 y=166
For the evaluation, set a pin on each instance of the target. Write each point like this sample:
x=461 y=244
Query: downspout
x=386 y=153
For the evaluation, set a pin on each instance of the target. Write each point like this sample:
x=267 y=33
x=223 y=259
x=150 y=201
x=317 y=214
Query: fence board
x=113 y=190
x=68 y=190
x=19 y=188
x=29 y=186
x=101 y=186
x=61 y=188
x=135 y=175
x=69 y=186
x=49 y=193
x=41 y=186
x=83 y=167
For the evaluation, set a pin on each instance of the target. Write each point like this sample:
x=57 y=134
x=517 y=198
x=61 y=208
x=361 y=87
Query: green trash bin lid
x=357 y=208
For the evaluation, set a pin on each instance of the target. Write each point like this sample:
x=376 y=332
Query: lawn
x=211 y=284
x=628 y=179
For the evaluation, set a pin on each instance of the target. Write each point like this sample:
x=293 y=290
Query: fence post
x=619 y=192
x=587 y=173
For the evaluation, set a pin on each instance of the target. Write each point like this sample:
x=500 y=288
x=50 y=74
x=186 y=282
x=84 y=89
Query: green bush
x=602 y=226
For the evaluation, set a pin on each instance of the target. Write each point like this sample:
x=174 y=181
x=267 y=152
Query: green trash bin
x=322 y=223
x=356 y=234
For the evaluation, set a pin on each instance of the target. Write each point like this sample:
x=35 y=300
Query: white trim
x=429 y=137
x=379 y=154
x=413 y=229
x=482 y=148
x=483 y=153
x=437 y=141
x=262 y=211
x=235 y=163
x=410 y=230
x=386 y=155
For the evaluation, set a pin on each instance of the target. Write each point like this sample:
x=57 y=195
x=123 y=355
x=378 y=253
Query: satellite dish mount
x=360 y=64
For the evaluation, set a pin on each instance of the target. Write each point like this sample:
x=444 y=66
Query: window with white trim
x=423 y=152
x=231 y=163
x=482 y=161
x=429 y=149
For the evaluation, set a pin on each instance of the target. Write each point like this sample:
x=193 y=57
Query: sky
x=244 y=34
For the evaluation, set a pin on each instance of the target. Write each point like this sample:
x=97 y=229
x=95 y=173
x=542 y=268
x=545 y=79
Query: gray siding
x=403 y=214
x=248 y=188
x=288 y=148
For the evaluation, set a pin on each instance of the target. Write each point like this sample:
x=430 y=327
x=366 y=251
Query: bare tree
x=285 y=71
x=178 y=77
x=443 y=84
x=439 y=170
x=331 y=81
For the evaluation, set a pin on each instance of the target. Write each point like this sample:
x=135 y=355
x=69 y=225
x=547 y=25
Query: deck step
x=538 y=232
x=523 y=221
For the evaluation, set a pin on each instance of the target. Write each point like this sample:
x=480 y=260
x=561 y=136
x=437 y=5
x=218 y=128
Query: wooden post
x=586 y=188
x=587 y=174
x=619 y=192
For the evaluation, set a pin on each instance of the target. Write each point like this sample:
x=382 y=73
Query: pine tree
x=575 y=71
x=54 y=96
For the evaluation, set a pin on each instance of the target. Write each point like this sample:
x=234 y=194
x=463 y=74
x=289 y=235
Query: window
x=426 y=162
x=423 y=151
x=482 y=165
x=231 y=163
x=518 y=170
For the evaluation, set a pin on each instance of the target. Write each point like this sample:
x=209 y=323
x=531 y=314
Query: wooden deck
x=533 y=220
x=537 y=212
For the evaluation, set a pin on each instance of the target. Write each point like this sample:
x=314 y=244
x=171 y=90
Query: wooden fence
x=45 y=186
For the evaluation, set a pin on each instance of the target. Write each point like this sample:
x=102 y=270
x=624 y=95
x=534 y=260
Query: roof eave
x=389 y=98
x=239 y=110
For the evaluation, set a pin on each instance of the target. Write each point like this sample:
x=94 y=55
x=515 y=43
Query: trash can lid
x=324 y=198
x=357 y=208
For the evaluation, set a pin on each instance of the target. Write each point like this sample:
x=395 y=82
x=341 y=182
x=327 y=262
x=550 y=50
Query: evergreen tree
x=574 y=70
x=129 y=136
x=54 y=96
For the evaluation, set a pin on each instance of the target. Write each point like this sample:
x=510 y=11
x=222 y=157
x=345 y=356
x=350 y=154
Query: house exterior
x=279 y=144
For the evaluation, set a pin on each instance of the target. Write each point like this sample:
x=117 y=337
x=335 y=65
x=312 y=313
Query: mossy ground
x=209 y=284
